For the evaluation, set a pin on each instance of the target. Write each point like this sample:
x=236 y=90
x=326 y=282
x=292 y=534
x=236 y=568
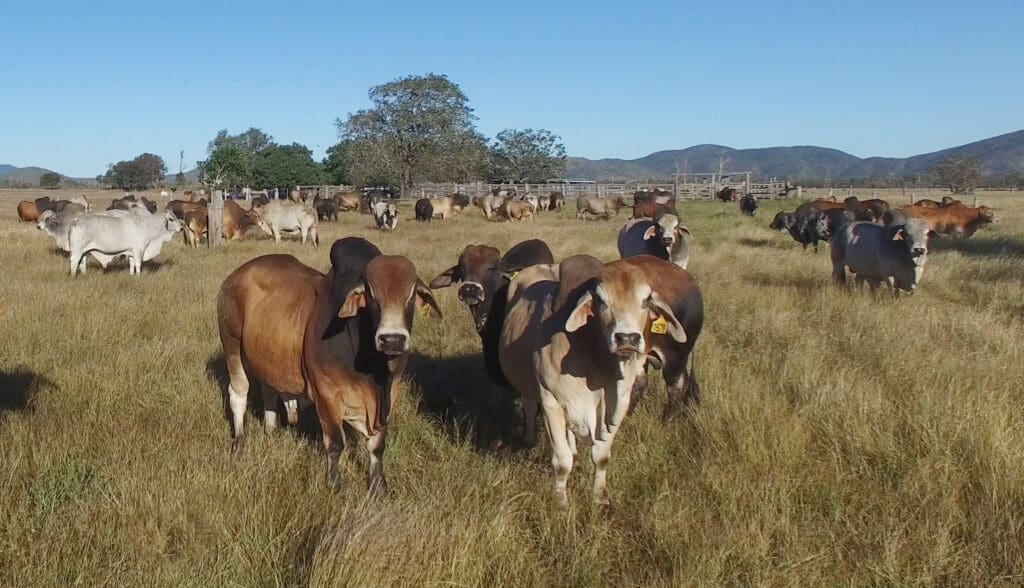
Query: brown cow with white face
x=573 y=343
x=342 y=339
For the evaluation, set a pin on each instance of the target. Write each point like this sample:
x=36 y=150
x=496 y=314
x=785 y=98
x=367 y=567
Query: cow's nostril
x=627 y=340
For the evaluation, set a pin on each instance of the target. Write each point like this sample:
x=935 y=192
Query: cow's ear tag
x=514 y=274
x=425 y=310
x=659 y=326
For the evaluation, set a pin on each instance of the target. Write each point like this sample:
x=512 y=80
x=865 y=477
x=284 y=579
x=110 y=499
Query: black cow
x=484 y=274
x=325 y=209
x=748 y=205
x=424 y=209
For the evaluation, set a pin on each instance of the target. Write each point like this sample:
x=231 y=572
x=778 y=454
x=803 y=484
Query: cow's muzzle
x=627 y=343
x=471 y=293
x=391 y=343
x=667 y=241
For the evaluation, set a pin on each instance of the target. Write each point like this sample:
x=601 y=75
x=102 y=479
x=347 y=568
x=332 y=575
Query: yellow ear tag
x=425 y=310
x=659 y=326
x=514 y=274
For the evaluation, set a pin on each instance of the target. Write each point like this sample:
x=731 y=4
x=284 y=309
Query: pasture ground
x=843 y=437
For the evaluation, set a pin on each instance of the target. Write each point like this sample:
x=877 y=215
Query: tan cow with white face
x=573 y=343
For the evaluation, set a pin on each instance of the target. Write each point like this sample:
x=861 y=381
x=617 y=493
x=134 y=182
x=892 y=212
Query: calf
x=27 y=211
x=446 y=208
x=195 y=225
x=424 y=209
x=664 y=238
x=386 y=215
x=894 y=255
x=748 y=205
x=342 y=339
x=326 y=209
x=517 y=210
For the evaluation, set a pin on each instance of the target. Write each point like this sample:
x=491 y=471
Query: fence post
x=215 y=219
x=911 y=197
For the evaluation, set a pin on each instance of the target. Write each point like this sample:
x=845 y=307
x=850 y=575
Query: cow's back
x=265 y=305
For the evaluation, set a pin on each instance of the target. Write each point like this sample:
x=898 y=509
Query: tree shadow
x=980 y=247
x=456 y=392
x=18 y=389
x=308 y=425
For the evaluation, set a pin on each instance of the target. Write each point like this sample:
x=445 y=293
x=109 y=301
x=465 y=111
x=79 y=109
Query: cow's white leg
x=303 y=231
x=601 y=452
x=291 y=408
x=561 y=453
x=269 y=407
x=238 y=389
x=375 y=447
x=76 y=261
x=276 y=234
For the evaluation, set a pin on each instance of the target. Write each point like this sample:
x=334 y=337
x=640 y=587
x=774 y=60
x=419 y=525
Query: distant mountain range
x=999 y=156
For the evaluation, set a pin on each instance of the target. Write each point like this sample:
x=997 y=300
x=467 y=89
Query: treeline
x=418 y=128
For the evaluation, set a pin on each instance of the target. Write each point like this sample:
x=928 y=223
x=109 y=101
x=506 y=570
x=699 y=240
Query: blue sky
x=86 y=84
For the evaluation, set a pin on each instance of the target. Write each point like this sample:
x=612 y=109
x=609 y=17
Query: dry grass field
x=844 y=437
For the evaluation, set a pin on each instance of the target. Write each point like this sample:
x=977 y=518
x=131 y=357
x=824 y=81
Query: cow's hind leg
x=530 y=408
x=238 y=388
x=77 y=264
x=269 y=407
x=681 y=385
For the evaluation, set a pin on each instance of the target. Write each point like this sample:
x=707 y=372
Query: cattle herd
x=573 y=340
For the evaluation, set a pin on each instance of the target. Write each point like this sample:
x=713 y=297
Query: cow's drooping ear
x=444 y=280
x=898 y=235
x=662 y=310
x=650 y=233
x=355 y=300
x=583 y=311
x=681 y=229
x=425 y=300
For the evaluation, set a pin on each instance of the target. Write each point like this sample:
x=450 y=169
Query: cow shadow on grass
x=762 y=243
x=19 y=388
x=980 y=247
x=458 y=395
x=802 y=284
x=308 y=425
x=118 y=265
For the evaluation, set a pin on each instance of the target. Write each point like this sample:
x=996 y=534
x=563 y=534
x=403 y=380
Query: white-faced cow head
x=619 y=304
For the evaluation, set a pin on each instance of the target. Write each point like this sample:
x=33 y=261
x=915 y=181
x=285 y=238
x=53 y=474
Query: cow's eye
x=646 y=303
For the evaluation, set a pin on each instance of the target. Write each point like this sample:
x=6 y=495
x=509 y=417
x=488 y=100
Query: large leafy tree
x=50 y=180
x=419 y=128
x=960 y=174
x=286 y=166
x=527 y=155
x=232 y=159
x=145 y=171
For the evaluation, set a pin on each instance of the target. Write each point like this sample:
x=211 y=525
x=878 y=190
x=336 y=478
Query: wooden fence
x=688 y=187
